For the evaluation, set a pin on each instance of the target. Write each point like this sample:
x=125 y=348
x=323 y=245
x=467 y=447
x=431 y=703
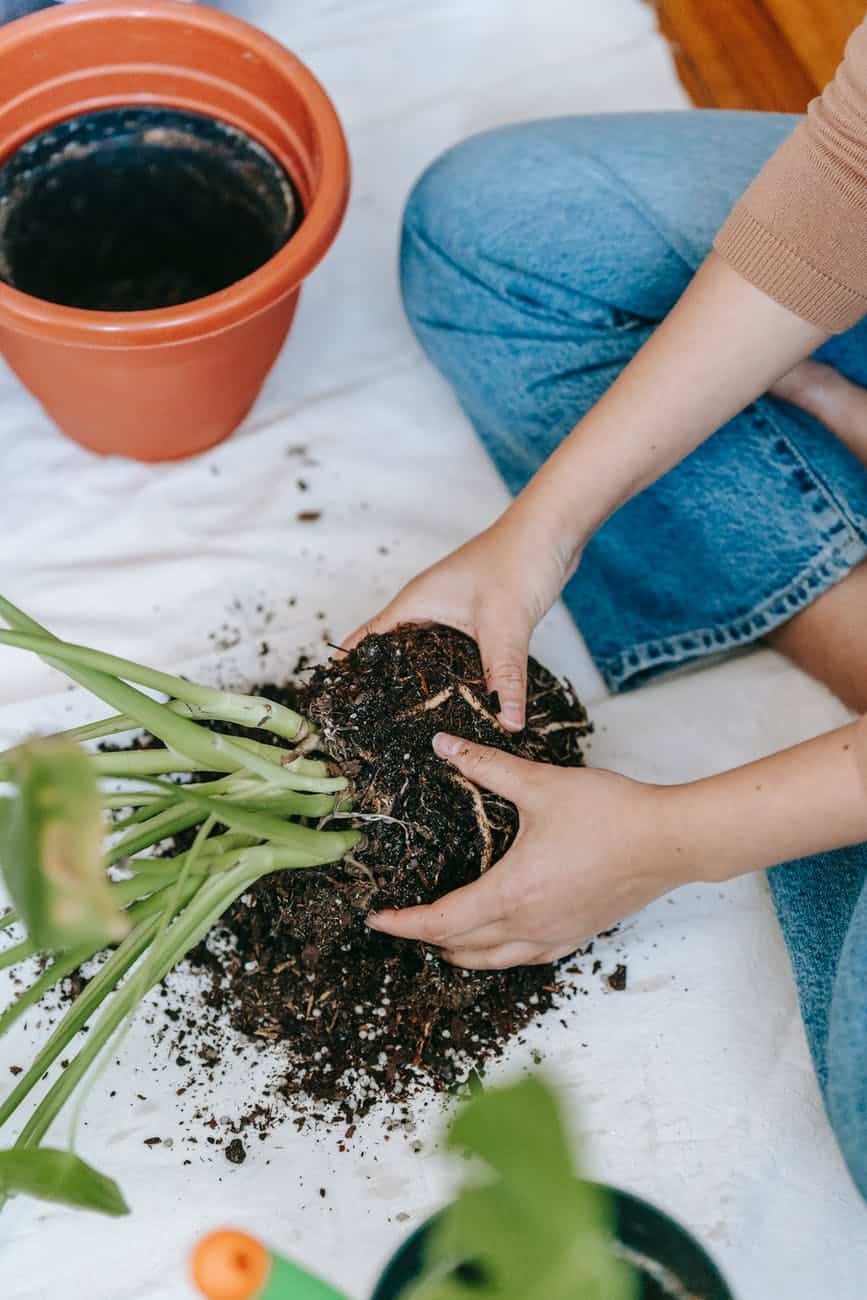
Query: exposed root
x=551 y=727
x=406 y=827
x=360 y=869
x=476 y=705
x=481 y=820
x=311 y=741
x=419 y=1051
x=432 y=702
x=377 y=710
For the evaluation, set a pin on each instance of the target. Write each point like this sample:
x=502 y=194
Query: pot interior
x=140 y=208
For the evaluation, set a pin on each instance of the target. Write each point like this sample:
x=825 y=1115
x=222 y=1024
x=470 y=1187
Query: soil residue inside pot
x=364 y=1017
x=131 y=209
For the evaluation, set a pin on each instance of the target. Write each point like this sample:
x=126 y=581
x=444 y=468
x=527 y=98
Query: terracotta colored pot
x=163 y=383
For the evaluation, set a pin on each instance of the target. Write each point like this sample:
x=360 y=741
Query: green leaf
x=51 y=852
x=535 y=1230
x=60 y=1176
x=506 y=1124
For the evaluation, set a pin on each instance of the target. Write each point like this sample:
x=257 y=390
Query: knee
x=536 y=217
x=473 y=220
x=449 y=206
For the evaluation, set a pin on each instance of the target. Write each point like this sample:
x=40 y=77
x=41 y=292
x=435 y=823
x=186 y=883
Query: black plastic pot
x=671 y=1263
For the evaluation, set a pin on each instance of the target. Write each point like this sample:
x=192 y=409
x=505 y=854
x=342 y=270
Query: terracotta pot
x=169 y=381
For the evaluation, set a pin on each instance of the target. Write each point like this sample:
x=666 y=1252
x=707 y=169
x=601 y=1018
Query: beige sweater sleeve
x=800 y=231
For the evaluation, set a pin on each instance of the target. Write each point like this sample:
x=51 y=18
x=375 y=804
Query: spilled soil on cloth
x=362 y=1017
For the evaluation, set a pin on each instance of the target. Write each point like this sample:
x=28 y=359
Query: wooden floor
x=765 y=54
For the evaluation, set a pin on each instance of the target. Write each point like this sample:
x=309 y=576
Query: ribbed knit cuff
x=782 y=273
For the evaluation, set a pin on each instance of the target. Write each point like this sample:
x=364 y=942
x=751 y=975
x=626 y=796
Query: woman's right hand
x=495 y=588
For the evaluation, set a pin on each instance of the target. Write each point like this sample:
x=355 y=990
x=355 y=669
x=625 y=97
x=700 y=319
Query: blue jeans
x=536 y=260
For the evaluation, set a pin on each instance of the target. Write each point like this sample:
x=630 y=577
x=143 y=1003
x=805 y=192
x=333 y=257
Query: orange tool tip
x=229 y=1265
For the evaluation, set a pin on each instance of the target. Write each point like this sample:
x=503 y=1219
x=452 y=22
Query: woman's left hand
x=592 y=848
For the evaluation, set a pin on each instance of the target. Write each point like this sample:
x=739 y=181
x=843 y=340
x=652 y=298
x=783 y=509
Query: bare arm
x=723 y=345
x=805 y=800
x=594 y=846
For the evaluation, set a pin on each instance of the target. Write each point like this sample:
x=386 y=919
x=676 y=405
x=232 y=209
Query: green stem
x=113 y=726
x=146 y=915
x=80 y=1012
x=268 y=858
x=254 y=711
x=255 y=794
x=202 y=702
x=265 y=826
x=191 y=808
x=138 y=799
x=139 y=979
x=171 y=821
x=18 y=952
x=64 y=964
x=142 y=909
x=223 y=853
x=156 y=873
x=230 y=875
x=251 y=793
x=138 y=763
x=219 y=753
x=212 y=900
x=134 y=763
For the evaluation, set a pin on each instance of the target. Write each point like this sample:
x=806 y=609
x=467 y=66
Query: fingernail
x=511 y=718
x=372 y=921
x=445 y=745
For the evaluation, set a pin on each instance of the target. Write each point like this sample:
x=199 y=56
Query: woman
x=575 y=270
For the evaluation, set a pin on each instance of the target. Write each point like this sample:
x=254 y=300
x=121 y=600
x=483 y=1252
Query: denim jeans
x=535 y=261
x=12 y=9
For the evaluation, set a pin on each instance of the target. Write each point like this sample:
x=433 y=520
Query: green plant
x=258 y=812
x=530 y=1228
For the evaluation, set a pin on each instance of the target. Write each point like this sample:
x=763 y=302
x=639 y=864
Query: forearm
x=805 y=800
x=724 y=344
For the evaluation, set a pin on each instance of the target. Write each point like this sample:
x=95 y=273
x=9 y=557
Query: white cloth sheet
x=694 y=1086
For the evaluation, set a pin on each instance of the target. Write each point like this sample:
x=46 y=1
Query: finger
x=504 y=657
x=502 y=958
x=490 y=768
x=493 y=935
x=457 y=913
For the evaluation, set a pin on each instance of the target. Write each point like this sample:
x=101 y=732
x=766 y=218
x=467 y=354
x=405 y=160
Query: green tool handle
x=289 y=1282
x=232 y=1265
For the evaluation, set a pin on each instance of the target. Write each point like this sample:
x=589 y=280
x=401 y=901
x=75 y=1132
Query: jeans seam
x=767 y=414
x=632 y=321
x=465 y=272
x=690 y=262
x=827 y=567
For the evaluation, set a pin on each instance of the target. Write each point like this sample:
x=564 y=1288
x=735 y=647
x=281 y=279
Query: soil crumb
x=363 y=1018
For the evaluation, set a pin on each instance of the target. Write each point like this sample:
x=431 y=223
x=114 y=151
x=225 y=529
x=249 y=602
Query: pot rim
x=620 y=1198
x=277 y=278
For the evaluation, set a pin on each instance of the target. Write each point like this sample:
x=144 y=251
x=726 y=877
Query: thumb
x=490 y=768
x=505 y=662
